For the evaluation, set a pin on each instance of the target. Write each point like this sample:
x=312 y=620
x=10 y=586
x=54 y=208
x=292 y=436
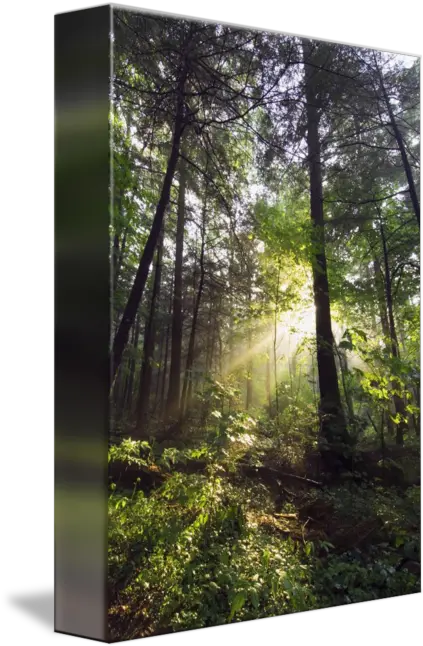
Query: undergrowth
x=196 y=551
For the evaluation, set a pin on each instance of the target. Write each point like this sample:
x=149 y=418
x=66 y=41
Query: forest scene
x=264 y=454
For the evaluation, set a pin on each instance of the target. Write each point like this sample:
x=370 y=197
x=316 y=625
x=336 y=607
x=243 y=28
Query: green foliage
x=131 y=452
x=191 y=554
x=187 y=555
x=347 y=580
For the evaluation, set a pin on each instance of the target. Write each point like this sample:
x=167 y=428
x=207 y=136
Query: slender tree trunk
x=373 y=308
x=119 y=390
x=161 y=343
x=191 y=346
x=249 y=394
x=213 y=340
x=132 y=364
x=209 y=342
x=333 y=423
x=275 y=338
x=268 y=380
x=116 y=251
x=117 y=394
x=165 y=362
x=231 y=304
x=290 y=371
x=125 y=377
x=380 y=290
x=190 y=388
x=314 y=382
x=149 y=344
x=398 y=401
x=126 y=399
x=343 y=365
x=172 y=408
x=220 y=341
x=119 y=248
x=381 y=299
x=138 y=286
x=400 y=141
x=297 y=394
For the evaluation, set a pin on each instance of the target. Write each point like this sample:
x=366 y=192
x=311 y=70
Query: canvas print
x=264 y=449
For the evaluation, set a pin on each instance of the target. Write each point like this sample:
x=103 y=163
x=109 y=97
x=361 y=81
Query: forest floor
x=194 y=542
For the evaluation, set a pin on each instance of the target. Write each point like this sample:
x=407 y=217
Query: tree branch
x=372 y=201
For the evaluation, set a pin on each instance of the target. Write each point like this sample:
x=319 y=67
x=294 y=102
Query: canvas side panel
x=82 y=317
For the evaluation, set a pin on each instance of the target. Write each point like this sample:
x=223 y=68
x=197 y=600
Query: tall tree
x=188 y=378
x=398 y=400
x=149 y=343
x=174 y=391
x=333 y=423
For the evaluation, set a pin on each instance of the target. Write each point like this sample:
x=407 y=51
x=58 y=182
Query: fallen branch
x=280 y=474
x=315 y=483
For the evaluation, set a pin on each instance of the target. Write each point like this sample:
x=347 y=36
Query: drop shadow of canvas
x=39 y=605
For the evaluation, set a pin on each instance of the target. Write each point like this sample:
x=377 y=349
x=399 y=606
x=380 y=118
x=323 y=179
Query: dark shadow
x=39 y=605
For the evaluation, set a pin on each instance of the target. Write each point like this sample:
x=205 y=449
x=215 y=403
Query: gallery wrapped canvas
x=237 y=324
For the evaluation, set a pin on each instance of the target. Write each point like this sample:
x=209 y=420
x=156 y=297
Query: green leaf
x=286 y=583
x=224 y=558
x=309 y=548
x=362 y=335
x=254 y=598
x=237 y=603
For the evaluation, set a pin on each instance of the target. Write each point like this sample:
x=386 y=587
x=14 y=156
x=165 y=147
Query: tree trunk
x=126 y=400
x=172 y=408
x=333 y=424
x=373 y=307
x=398 y=400
x=163 y=386
x=289 y=363
x=213 y=341
x=116 y=251
x=380 y=290
x=209 y=334
x=249 y=394
x=137 y=290
x=268 y=387
x=120 y=390
x=314 y=382
x=124 y=378
x=220 y=342
x=117 y=394
x=118 y=254
x=231 y=304
x=381 y=298
x=132 y=364
x=149 y=344
x=400 y=141
x=187 y=387
x=343 y=365
x=161 y=344
x=275 y=337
